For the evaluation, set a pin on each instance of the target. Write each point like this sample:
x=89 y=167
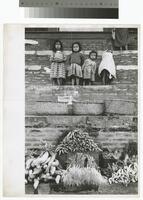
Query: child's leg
x=110 y=80
x=77 y=80
x=126 y=47
x=72 y=80
x=84 y=82
x=104 y=76
x=121 y=48
x=89 y=82
x=54 y=81
x=60 y=81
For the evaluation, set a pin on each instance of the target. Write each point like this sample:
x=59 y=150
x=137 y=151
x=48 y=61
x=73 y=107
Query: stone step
x=50 y=108
x=42 y=78
x=121 y=107
x=110 y=87
x=82 y=94
x=84 y=97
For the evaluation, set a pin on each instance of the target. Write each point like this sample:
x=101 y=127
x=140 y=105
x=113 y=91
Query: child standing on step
x=89 y=68
x=75 y=61
x=107 y=69
x=57 y=59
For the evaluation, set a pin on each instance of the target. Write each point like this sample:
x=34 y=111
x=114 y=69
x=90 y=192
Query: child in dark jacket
x=75 y=61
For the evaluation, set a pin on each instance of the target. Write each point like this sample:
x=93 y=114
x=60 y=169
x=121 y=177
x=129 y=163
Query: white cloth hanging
x=107 y=63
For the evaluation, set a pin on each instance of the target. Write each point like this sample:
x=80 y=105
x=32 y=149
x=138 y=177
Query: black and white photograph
x=81 y=118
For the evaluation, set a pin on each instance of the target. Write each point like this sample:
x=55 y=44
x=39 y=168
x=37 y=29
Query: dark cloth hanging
x=121 y=37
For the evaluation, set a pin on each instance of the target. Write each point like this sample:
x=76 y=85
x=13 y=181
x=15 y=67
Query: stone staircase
x=110 y=116
x=108 y=112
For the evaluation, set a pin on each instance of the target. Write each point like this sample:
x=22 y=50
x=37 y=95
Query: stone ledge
x=50 y=108
x=49 y=52
x=49 y=88
x=111 y=123
x=121 y=107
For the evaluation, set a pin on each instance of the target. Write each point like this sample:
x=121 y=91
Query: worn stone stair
x=108 y=112
x=92 y=100
x=113 y=127
x=34 y=77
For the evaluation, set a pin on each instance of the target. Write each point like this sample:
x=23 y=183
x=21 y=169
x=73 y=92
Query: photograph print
x=81 y=131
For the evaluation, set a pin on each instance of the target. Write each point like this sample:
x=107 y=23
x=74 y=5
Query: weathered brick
x=44 y=60
x=110 y=139
x=113 y=123
x=90 y=40
x=50 y=133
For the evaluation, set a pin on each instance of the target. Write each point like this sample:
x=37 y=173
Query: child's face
x=93 y=56
x=76 y=48
x=58 y=45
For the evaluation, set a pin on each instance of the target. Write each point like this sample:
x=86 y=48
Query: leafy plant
x=77 y=141
x=125 y=173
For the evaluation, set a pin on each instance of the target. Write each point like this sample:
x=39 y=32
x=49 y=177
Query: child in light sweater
x=57 y=59
x=89 y=68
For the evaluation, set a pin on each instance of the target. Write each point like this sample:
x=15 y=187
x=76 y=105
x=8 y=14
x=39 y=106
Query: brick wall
x=120 y=59
x=88 y=40
x=112 y=132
